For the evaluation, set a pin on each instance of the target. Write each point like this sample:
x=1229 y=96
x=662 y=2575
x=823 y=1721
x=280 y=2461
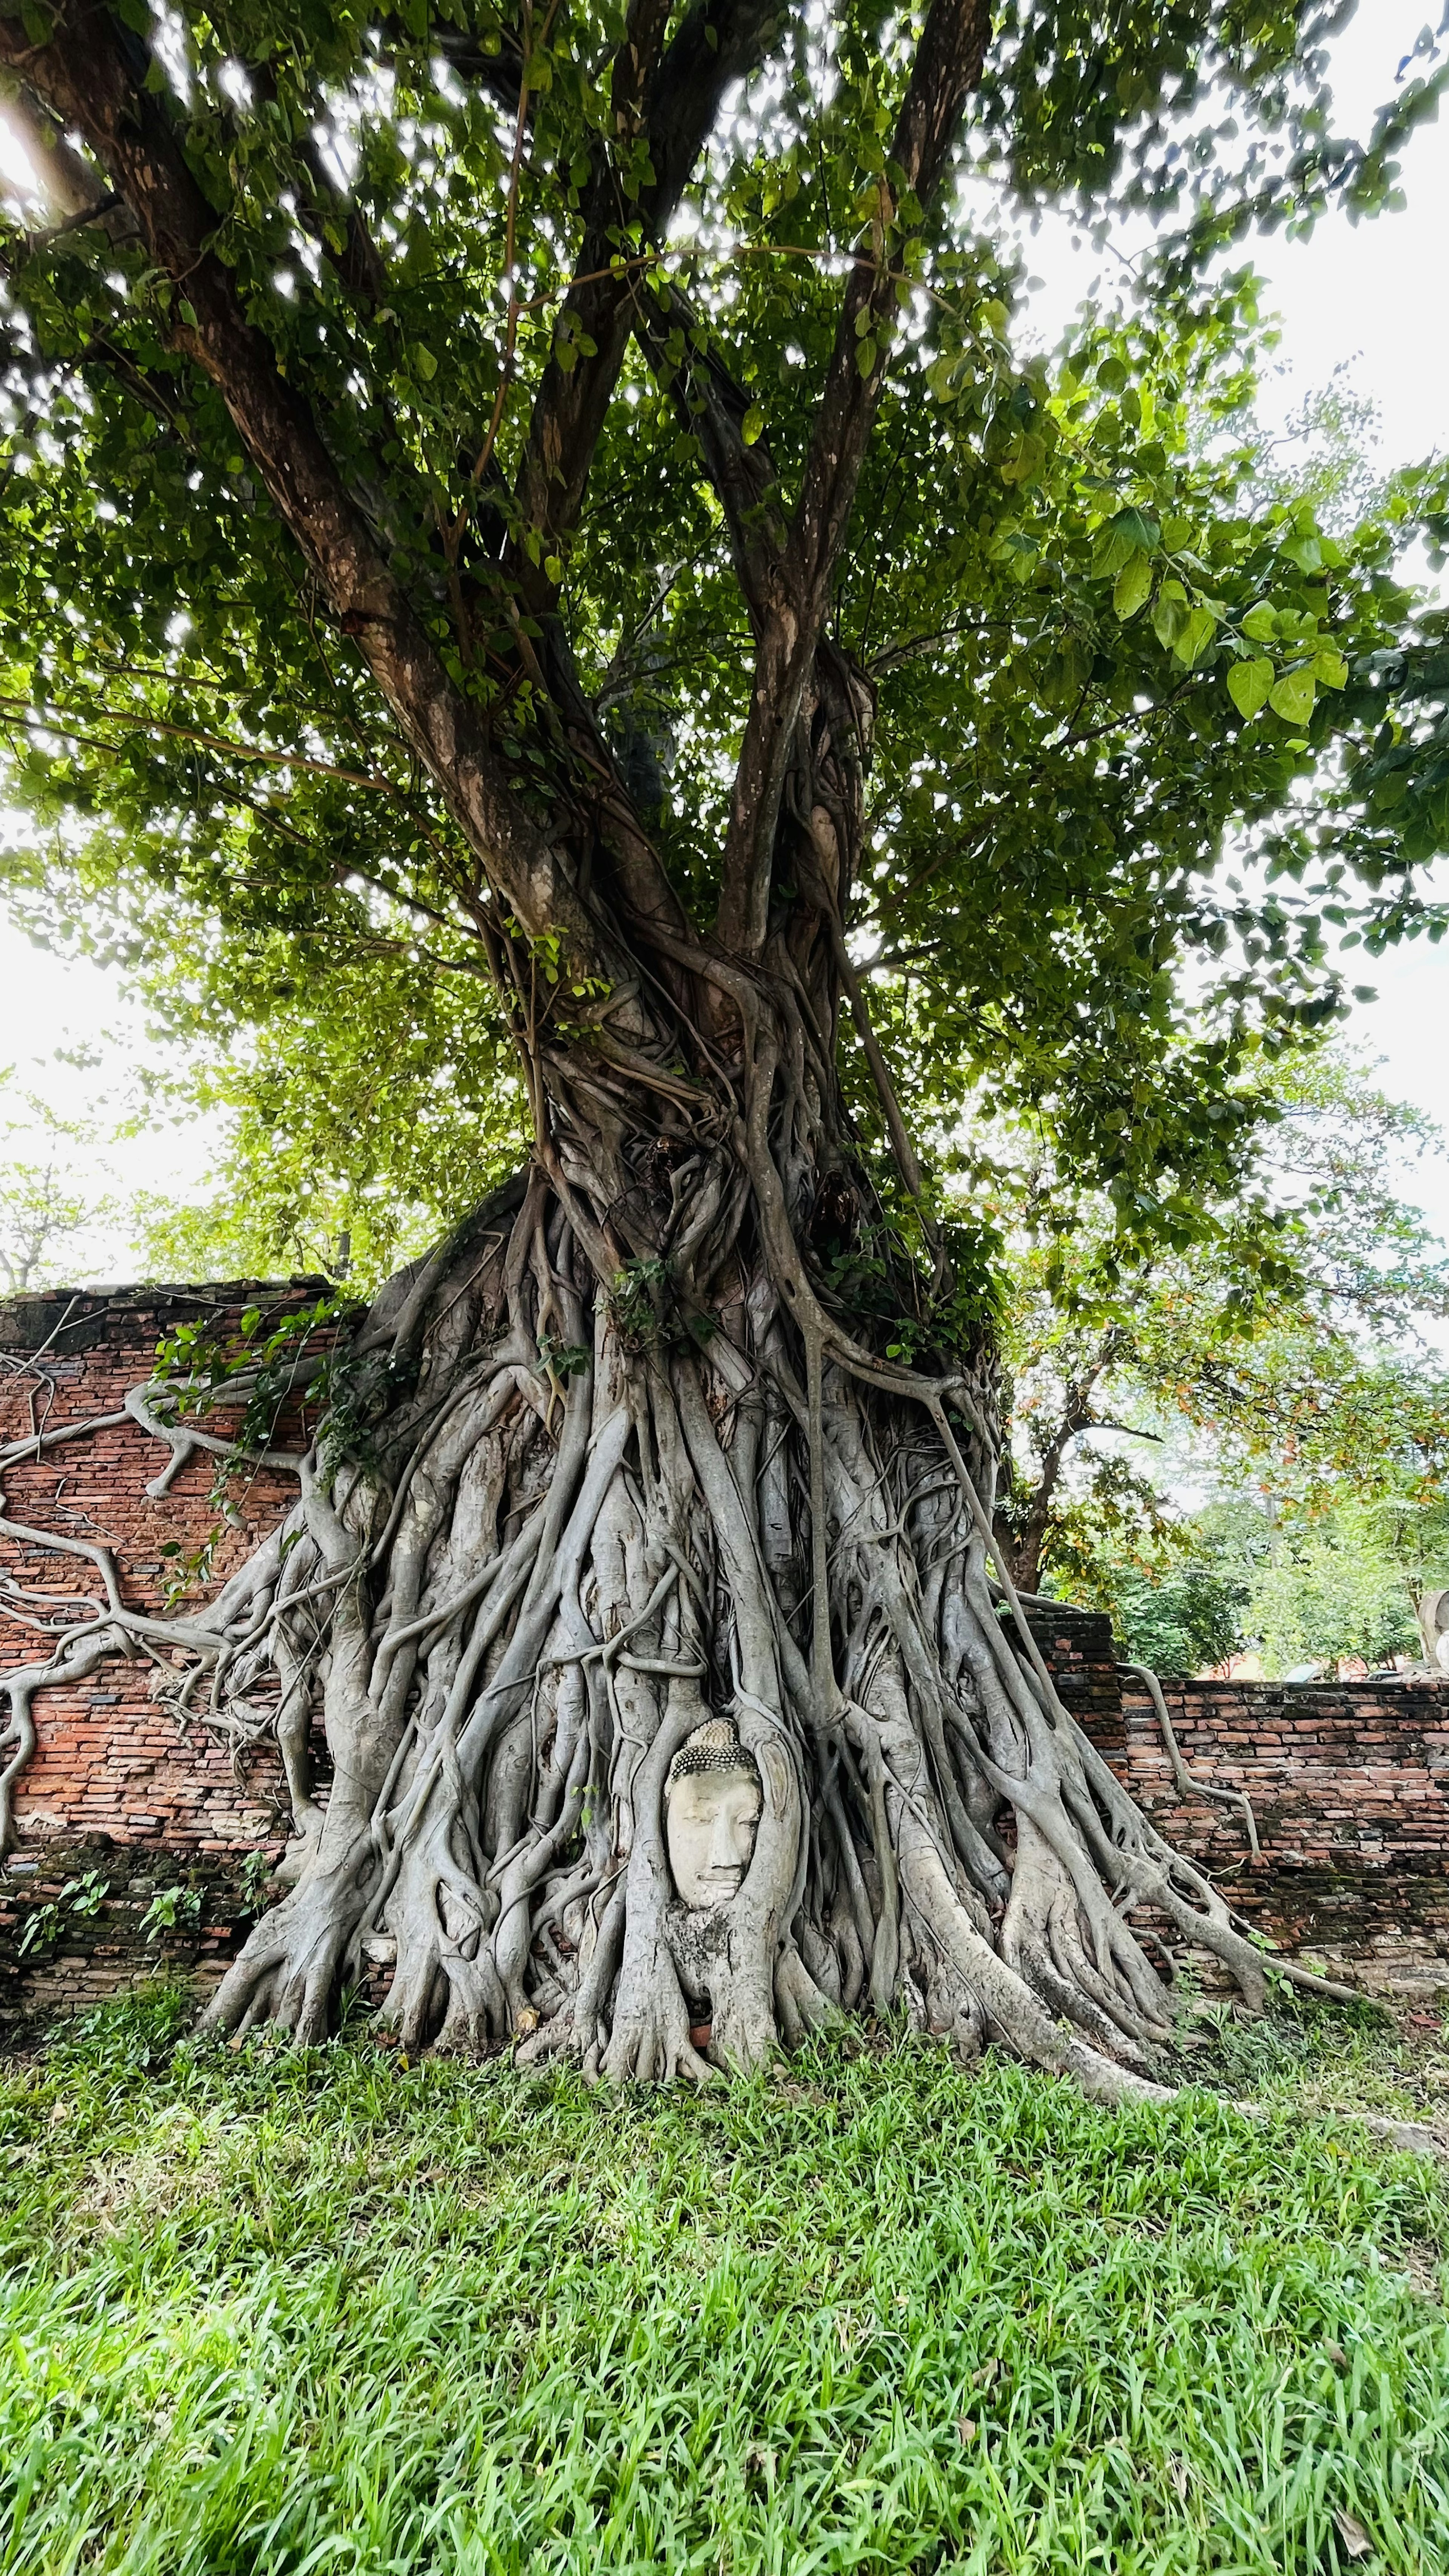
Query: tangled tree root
x=670 y=1710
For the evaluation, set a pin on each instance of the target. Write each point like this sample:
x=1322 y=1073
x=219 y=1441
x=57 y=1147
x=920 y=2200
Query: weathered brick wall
x=1349 y=1786
x=1343 y=1775
x=1079 y=1647
x=117 y=1785
x=82 y=1956
x=110 y=1760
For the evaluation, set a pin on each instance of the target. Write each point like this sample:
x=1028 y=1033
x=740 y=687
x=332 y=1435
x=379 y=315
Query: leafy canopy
x=1102 y=647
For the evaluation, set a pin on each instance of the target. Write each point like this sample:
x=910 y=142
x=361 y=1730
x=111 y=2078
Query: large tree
x=550 y=498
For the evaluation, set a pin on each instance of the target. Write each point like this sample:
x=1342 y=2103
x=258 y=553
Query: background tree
x=46 y=1206
x=368 y=1107
x=1283 y=1362
x=1289 y=1333
x=1339 y=1584
x=1302 y=1588
x=1185 y=1613
x=553 y=501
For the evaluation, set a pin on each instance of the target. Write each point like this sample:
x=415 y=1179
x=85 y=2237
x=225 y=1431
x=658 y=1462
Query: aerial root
x=582 y=1561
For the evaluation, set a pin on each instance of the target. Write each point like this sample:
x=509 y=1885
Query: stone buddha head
x=712 y=1801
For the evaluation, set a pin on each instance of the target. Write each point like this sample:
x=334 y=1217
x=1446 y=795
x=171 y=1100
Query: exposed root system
x=673 y=1705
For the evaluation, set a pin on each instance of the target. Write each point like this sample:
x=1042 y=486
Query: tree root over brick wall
x=577 y=1539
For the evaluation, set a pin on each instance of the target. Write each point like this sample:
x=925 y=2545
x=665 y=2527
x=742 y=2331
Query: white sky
x=1376 y=295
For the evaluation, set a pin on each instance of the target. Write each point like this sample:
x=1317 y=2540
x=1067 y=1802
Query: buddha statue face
x=712 y=1806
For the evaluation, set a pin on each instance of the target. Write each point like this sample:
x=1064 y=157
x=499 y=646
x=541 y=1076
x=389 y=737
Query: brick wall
x=1349 y=1786
x=82 y=1956
x=118 y=1787
x=1079 y=1647
x=110 y=1760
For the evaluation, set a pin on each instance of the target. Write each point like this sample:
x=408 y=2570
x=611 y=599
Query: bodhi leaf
x=1139 y=529
x=1305 y=552
x=1292 y=696
x=1196 y=636
x=1131 y=587
x=1249 y=684
x=1171 y=614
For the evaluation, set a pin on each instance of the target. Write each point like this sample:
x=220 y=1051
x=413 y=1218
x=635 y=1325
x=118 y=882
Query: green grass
x=263 y=2311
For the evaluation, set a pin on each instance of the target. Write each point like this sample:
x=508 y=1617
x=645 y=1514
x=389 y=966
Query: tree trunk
x=647 y=1554
x=649 y=1615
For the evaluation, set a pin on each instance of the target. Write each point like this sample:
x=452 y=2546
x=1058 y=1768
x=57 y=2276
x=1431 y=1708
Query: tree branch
x=713 y=406
x=69 y=187
x=948 y=66
x=61 y=722
x=84 y=77
x=665 y=107
x=665 y=104
x=901 y=1145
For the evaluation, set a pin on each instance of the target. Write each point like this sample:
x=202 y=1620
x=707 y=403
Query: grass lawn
x=266 y=2311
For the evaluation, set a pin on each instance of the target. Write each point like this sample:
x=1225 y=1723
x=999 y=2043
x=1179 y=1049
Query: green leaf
x=1330 y=669
x=1261 y=623
x=1196 y=636
x=1306 y=553
x=1130 y=589
x=753 y=425
x=1171 y=613
x=1249 y=684
x=553 y=568
x=425 y=363
x=865 y=356
x=1023 y=459
x=1292 y=697
x=1138 y=529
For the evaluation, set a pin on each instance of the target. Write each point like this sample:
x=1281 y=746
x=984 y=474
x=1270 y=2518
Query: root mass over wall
x=597 y=1541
